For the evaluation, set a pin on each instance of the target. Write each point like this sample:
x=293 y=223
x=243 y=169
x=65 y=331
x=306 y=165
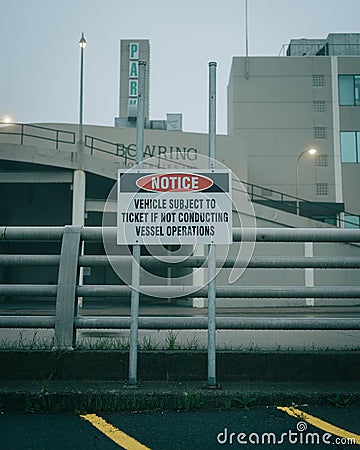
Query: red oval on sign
x=174 y=182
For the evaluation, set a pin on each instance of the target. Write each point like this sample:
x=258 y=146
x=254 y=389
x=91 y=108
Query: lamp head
x=312 y=151
x=82 y=42
x=6 y=119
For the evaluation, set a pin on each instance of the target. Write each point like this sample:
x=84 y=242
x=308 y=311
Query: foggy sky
x=39 y=77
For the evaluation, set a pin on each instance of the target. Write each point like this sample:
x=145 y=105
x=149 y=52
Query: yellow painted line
x=113 y=433
x=325 y=426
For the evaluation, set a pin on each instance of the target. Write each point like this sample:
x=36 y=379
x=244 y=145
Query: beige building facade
x=283 y=106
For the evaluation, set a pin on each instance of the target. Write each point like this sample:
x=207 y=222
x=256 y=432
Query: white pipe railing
x=66 y=322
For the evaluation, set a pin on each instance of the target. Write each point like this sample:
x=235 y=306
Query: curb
x=115 y=397
x=93 y=381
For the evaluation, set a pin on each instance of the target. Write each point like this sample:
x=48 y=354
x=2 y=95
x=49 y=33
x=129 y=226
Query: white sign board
x=166 y=207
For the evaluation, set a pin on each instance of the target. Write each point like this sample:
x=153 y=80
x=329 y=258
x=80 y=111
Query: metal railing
x=39 y=132
x=319 y=211
x=111 y=148
x=69 y=261
x=66 y=320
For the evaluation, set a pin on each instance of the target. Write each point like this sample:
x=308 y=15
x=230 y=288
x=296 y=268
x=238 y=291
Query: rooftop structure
x=336 y=44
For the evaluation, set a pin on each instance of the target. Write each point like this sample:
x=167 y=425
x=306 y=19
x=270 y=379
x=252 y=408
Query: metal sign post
x=211 y=382
x=135 y=273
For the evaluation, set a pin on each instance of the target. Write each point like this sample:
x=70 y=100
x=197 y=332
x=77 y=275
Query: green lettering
x=133 y=72
x=134 y=50
x=133 y=88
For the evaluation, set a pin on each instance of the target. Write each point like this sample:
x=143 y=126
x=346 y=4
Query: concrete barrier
x=182 y=366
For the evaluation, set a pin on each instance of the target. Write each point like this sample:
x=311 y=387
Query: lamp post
x=79 y=177
x=311 y=152
x=78 y=212
x=82 y=44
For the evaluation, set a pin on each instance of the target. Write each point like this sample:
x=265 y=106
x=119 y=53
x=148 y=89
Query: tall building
x=282 y=106
x=131 y=52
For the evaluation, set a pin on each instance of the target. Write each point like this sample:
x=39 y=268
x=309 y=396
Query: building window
x=318 y=80
x=351 y=221
x=349 y=146
x=322 y=189
x=321 y=161
x=319 y=106
x=320 y=133
x=349 y=90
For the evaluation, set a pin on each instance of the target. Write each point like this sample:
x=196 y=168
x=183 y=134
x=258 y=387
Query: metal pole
x=78 y=211
x=297 y=182
x=297 y=173
x=135 y=271
x=82 y=44
x=79 y=190
x=246 y=41
x=211 y=382
x=311 y=152
x=65 y=332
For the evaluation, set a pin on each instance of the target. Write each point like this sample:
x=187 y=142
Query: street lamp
x=79 y=180
x=311 y=152
x=82 y=44
x=6 y=119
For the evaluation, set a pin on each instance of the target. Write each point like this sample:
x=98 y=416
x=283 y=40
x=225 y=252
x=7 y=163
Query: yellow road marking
x=113 y=433
x=328 y=427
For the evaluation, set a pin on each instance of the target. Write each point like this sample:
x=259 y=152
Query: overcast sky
x=39 y=76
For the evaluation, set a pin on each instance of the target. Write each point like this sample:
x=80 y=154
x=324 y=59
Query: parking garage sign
x=167 y=207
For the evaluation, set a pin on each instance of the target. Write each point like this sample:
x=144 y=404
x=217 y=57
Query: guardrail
x=66 y=321
x=111 y=148
x=24 y=130
x=330 y=213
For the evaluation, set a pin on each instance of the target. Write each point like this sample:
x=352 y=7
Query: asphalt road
x=186 y=430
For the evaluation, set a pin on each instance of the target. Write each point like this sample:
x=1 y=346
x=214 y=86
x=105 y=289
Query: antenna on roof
x=246 y=41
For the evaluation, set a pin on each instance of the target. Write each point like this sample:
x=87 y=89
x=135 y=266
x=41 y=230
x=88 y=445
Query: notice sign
x=163 y=207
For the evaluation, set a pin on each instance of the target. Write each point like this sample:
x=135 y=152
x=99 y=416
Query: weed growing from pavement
x=245 y=401
x=339 y=401
x=171 y=339
x=188 y=401
x=34 y=343
x=192 y=344
x=31 y=407
x=228 y=403
x=147 y=343
x=106 y=343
